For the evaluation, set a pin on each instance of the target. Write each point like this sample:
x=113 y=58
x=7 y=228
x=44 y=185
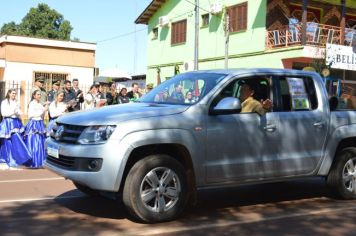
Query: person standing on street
x=56 y=109
x=35 y=131
x=134 y=94
x=53 y=93
x=90 y=99
x=123 y=98
x=79 y=97
x=69 y=95
x=13 y=150
x=39 y=82
x=112 y=96
x=101 y=96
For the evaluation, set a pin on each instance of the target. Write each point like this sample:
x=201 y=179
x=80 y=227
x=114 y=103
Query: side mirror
x=229 y=105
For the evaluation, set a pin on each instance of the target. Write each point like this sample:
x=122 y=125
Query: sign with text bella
x=340 y=57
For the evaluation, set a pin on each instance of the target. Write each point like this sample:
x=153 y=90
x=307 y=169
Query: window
x=297 y=94
x=205 y=20
x=258 y=86
x=155 y=33
x=238 y=17
x=179 y=32
x=50 y=78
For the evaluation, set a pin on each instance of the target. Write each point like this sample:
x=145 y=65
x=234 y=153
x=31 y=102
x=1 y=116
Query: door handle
x=319 y=124
x=270 y=128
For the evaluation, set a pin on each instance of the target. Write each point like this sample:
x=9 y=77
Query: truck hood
x=110 y=115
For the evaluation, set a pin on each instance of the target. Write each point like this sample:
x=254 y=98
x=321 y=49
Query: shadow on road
x=97 y=215
x=94 y=206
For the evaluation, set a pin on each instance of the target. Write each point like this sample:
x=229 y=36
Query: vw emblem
x=59 y=132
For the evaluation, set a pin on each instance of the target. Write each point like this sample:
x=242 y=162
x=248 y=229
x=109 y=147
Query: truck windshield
x=183 y=89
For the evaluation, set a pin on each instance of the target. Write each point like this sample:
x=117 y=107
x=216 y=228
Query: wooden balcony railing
x=317 y=34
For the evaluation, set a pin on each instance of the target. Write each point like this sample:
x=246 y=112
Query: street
x=38 y=202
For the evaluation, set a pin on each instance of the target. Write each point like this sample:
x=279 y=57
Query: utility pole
x=227 y=36
x=196 y=42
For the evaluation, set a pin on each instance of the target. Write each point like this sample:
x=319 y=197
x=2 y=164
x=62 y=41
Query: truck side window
x=297 y=94
x=262 y=89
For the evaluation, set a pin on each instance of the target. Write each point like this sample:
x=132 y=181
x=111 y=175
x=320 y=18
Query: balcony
x=317 y=35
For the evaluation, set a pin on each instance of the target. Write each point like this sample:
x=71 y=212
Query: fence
x=24 y=88
x=316 y=34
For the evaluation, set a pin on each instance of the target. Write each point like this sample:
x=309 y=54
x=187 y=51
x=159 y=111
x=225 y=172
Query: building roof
x=149 y=11
x=47 y=42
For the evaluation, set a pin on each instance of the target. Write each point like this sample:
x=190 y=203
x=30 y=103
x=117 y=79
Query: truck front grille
x=63 y=161
x=66 y=133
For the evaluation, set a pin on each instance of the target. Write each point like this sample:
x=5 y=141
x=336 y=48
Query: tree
x=42 y=22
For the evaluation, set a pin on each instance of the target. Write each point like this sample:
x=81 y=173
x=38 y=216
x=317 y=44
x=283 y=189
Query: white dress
x=57 y=110
x=10 y=108
x=90 y=101
x=35 y=110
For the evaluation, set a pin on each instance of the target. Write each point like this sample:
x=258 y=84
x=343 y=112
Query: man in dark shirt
x=69 y=95
x=79 y=98
x=134 y=94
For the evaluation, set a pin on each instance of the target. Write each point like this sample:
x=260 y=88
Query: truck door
x=302 y=127
x=237 y=143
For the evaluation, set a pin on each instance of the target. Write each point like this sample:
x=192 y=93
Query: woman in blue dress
x=13 y=150
x=35 y=131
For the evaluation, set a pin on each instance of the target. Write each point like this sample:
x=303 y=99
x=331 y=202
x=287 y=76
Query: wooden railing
x=317 y=34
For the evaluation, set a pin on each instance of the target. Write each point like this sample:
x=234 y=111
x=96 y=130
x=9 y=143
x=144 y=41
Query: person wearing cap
x=39 y=82
x=248 y=101
x=53 y=93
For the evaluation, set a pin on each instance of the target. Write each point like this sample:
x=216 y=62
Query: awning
x=113 y=74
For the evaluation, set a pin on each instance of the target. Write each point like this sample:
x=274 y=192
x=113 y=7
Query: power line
x=135 y=31
x=120 y=36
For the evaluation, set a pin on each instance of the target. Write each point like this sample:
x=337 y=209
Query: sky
x=109 y=23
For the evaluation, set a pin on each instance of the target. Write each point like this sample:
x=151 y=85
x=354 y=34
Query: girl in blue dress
x=13 y=150
x=35 y=131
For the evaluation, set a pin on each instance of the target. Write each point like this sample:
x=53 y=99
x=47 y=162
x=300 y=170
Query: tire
x=84 y=189
x=148 y=197
x=342 y=176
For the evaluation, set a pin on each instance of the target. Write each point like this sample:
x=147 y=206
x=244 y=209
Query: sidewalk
x=3 y=166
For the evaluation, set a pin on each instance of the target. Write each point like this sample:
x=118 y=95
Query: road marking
x=30 y=180
x=40 y=199
x=172 y=229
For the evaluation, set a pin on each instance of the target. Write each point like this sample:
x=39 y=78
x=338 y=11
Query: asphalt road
x=38 y=202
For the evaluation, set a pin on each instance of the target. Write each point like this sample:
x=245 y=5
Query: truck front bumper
x=95 y=166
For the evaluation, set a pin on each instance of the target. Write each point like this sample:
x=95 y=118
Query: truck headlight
x=96 y=134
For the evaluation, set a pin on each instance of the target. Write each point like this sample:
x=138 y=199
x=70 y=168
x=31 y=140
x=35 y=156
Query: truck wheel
x=156 y=189
x=84 y=189
x=342 y=176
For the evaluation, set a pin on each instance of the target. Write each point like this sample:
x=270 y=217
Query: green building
x=247 y=33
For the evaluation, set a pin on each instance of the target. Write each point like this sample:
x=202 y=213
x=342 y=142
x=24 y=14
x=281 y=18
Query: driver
x=248 y=101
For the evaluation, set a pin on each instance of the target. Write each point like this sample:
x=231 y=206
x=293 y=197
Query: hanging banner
x=340 y=57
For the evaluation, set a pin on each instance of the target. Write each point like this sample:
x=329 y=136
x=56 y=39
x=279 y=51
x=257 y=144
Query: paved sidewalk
x=4 y=166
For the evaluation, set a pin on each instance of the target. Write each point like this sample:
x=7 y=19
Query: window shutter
x=238 y=17
x=179 y=32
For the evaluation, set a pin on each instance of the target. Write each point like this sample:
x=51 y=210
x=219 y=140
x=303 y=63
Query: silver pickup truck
x=189 y=133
